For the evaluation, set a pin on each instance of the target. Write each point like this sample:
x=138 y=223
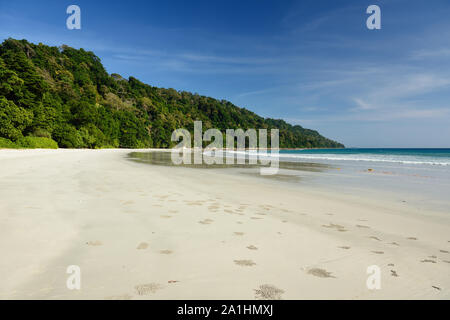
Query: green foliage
x=37 y=142
x=66 y=95
x=7 y=144
x=13 y=119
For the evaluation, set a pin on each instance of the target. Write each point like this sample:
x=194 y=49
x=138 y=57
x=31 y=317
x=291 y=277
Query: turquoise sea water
x=438 y=157
x=420 y=175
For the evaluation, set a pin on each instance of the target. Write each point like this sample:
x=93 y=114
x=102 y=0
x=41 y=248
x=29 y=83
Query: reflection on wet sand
x=164 y=159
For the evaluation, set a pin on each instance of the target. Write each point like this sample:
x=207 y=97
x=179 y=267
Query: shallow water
x=422 y=184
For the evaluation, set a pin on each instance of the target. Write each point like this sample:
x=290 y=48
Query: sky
x=313 y=63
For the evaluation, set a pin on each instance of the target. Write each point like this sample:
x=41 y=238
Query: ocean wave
x=354 y=157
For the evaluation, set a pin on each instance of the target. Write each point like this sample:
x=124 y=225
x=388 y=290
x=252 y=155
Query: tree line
x=63 y=97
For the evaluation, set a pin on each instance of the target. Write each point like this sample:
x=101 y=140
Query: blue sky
x=312 y=63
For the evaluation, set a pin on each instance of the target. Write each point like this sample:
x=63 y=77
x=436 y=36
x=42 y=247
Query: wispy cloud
x=438 y=53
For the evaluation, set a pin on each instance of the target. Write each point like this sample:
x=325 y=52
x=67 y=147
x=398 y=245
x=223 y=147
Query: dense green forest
x=61 y=96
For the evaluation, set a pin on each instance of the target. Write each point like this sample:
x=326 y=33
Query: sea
x=400 y=156
x=416 y=175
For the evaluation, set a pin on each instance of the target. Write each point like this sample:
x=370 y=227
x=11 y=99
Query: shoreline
x=152 y=232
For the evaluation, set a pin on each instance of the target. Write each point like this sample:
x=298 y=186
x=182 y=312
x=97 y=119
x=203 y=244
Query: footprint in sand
x=390 y=265
x=394 y=244
x=268 y=292
x=142 y=246
x=428 y=260
x=252 y=247
x=94 y=243
x=173 y=211
x=411 y=238
x=148 y=288
x=335 y=226
x=362 y=226
x=244 y=263
x=443 y=251
x=239 y=233
x=206 y=221
x=321 y=273
x=255 y=218
x=195 y=203
x=127 y=202
x=378 y=252
x=374 y=238
x=166 y=252
x=344 y=247
x=165 y=216
x=239 y=222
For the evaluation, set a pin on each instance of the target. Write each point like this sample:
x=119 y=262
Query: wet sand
x=140 y=231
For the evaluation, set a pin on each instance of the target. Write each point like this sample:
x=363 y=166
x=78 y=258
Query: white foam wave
x=410 y=160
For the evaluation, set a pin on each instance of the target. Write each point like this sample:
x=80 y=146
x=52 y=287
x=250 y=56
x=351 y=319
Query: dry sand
x=150 y=232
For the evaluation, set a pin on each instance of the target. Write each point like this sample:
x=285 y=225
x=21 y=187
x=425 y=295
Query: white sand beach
x=139 y=231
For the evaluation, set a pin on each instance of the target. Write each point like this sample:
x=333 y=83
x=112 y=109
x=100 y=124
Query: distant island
x=63 y=97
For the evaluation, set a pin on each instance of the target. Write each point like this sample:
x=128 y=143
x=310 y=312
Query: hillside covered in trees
x=60 y=96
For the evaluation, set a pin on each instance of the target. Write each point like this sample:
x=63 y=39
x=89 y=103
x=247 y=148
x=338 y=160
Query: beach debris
x=370 y=170
x=252 y=247
x=443 y=251
x=394 y=273
x=412 y=238
x=437 y=288
x=362 y=226
x=245 y=263
x=268 y=292
x=374 y=238
x=378 y=252
x=321 y=273
x=173 y=281
x=344 y=247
